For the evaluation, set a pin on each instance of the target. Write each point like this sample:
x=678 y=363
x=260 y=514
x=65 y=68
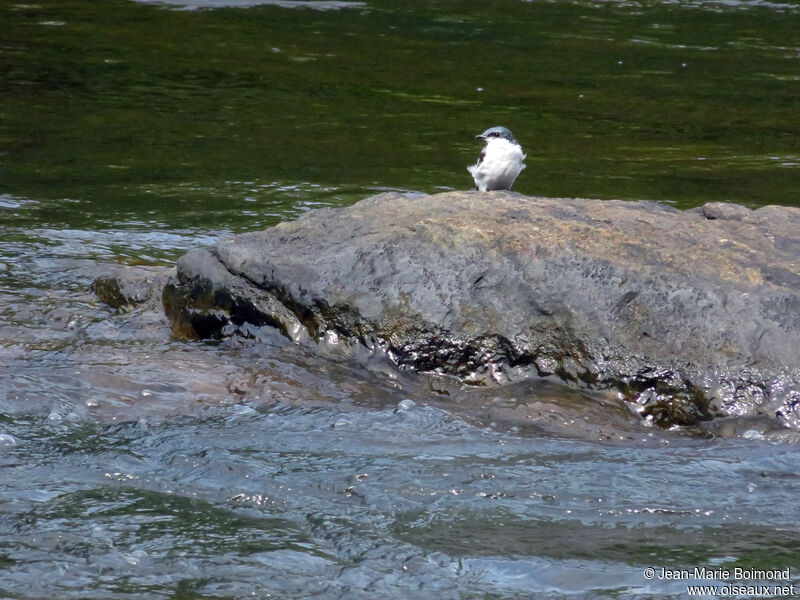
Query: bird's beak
x=480 y=137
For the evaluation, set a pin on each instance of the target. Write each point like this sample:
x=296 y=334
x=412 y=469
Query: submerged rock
x=685 y=314
x=127 y=286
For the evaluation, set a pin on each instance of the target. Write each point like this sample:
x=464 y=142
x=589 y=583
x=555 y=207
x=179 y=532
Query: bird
x=500 y=160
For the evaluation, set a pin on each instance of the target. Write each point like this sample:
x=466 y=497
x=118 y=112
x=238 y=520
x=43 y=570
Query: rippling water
x=133 y=465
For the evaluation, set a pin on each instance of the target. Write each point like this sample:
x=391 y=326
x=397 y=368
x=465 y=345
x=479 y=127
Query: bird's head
x=497 y=132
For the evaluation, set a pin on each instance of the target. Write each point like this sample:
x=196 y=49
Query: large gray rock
x=686 y=314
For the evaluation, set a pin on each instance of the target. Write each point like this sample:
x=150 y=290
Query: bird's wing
x=474 y=168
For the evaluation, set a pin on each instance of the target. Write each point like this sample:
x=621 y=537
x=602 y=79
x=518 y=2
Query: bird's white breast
x=502 y=162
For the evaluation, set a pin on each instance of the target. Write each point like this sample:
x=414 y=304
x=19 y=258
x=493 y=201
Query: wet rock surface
x=686 y=315
x=126 y=287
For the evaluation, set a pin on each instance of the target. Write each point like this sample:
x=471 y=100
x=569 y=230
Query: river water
x=135 y=465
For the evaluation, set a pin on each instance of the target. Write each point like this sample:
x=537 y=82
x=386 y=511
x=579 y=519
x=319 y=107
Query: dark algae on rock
x=687 y=315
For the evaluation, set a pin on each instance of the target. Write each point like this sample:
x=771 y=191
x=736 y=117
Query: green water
x=192 y=116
